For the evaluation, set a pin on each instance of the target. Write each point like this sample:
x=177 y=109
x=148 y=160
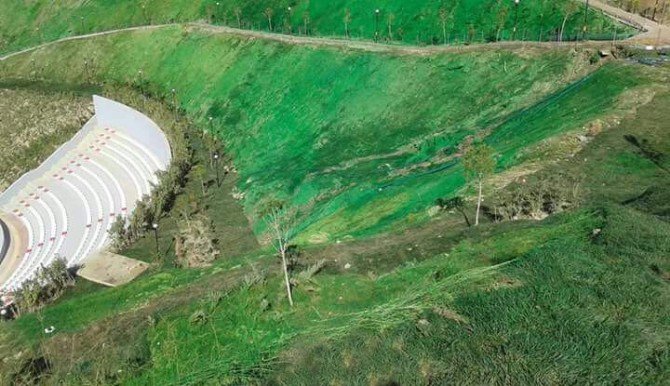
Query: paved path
x=654 y=33
x=81 y=37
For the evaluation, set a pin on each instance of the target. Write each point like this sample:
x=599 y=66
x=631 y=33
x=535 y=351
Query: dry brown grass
x=33 y=124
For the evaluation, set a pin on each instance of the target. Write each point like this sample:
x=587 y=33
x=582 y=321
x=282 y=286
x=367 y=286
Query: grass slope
x=520 y=302
x=24 y=24
x=356 y=142
x=570 y=310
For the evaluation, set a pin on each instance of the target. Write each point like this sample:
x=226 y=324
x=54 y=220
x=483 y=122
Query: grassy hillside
x=361 y=144
x=24 y=24
x=355 y=142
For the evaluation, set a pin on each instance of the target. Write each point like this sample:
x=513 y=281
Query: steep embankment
x=356 y=142
x=25 y=24
x=361 y=142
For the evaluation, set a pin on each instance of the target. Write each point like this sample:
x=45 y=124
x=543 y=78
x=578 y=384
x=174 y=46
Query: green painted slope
x=357 y=142
x=24 y=24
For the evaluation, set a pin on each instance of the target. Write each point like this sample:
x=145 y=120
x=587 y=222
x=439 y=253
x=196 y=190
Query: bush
x=535 y=198
x=48 y=285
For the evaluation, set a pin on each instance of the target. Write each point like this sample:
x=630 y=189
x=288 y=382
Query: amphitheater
x=65 y=207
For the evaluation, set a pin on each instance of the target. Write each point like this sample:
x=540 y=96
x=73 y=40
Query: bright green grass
x=355 y=141
x=24 y=24
x=568 y=311
x=237 y=338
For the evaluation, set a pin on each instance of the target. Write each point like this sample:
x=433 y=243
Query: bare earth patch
x=111 y=269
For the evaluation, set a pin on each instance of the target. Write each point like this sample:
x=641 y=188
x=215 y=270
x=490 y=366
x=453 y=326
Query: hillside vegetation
x=24 y=24
x=388 y=288
x=354 y=142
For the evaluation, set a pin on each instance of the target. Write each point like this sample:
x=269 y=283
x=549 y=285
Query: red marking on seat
x=20 y=214
x=111 y=215
x=99 y=220
x=81 y=155
x=40 y=244
x=87 y=158
x=52 y=238
x=29 y=250
x=78 y=164
x=37 y=197
x=103 y=144
x=70 y=172
x=63 y=168
x=46 y=190
x=61 y=178
x=64 y=233
x=55 y=175
x=27 y=205
x=98 y=149
x=124 y=209
x=88 y=225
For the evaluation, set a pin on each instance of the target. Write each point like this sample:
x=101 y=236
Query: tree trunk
x=479 y=203
x=465 y=216
x=288 y=283
x=560 y=37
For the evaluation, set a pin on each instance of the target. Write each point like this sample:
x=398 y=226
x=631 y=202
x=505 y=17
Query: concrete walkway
x=654 y=33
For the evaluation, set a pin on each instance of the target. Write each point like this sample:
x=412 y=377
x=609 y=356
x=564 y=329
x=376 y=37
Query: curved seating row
x=68 y=212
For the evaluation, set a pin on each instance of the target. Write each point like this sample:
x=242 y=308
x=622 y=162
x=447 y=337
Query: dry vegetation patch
x=33 y=124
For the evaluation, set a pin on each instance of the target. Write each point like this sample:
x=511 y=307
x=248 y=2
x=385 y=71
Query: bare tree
x=570 y=8
x=502 y=20
x=347 y=21
x=280 y=227
x=306 y=20
x=390 y=19
x=444 y=18
x=268 y=14
x=238 y=15
x=478 y=163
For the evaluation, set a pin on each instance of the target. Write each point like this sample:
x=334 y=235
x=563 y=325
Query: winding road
x=653 y=34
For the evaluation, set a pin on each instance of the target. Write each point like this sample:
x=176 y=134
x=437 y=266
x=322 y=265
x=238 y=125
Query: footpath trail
x=653 y=34
x=82 y=37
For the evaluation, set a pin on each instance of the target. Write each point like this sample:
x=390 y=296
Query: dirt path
x=81 y=37
x=654 y=33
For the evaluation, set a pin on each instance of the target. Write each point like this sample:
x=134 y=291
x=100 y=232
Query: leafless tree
x=280 y=227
